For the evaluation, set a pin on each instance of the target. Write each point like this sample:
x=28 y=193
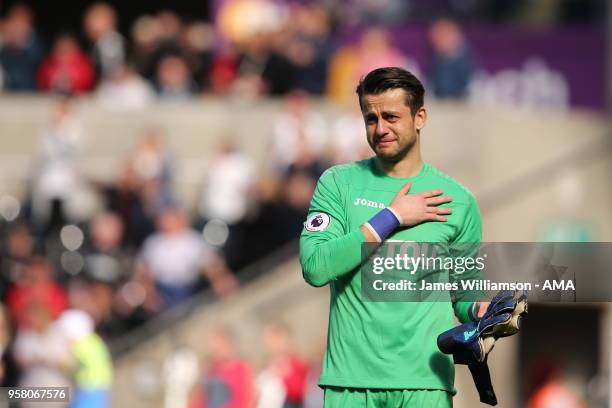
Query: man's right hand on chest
x=406 y=210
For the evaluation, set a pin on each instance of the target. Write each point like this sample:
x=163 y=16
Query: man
x=89 y=363
x=384 y=354
x=108 y=46
x=229 y=381
x=173 y=260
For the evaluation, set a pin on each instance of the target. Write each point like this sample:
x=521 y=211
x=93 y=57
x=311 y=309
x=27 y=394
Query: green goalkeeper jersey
x=380 y=345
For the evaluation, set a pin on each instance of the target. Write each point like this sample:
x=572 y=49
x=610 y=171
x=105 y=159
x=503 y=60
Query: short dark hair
x=383 y=79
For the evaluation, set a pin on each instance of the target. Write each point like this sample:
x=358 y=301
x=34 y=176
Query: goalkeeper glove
x=470 y=343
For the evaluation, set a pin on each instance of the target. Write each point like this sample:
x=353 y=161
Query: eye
x=370 y=120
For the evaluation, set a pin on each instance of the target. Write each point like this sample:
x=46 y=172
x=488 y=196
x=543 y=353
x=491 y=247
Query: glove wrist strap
x=473 y=312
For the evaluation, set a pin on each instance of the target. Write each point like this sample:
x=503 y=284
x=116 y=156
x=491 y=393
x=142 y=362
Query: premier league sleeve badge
x=317 y=222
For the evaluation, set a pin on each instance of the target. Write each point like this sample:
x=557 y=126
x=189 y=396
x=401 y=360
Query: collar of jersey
x=379 y=173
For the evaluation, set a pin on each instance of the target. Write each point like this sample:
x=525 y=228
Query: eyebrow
x=385 y=112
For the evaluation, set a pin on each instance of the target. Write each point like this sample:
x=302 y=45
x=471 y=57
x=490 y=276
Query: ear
x=420 y=118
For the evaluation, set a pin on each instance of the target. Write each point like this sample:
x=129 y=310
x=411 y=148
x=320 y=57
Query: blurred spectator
x=228 y=193
x=173 y=260
x=283 y=363
x=170 y=26
x=307 y=164
x=299 y=136
x=90 y=363
x=16 y=256
x=224 y=70
x=253 y=64
x=105 y=260
x=146 y=37
x=125 y=90
x=229 y=382
x=157 y=38
x=153 y=168
x=351 y=62
x=124 y=199
x=114 y=309
x=348 y=141
x=37 y=287
x=5 y=335
x=384 y=11
x=197 y=43
x=106 y=267
x=182 y=375
x=67 y=69
x=342 y=69
x=108 y=51
x=566 y=222
x=56 y=179
x=228 y=187
x=174 y=80
x=239 y=20
x=150 y=160
x=95 y=298
x=452 y=65
x=549 y=389
x=309 y=49
x=8 y=366
x=376 y=50
x=277 y=220
x=279 y=72
x=20 y=50
x=270 y=390
x=314 y=394
x=40 y=351
x=297 y=192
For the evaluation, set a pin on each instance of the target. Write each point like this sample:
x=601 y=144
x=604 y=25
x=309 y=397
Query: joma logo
x=368 y=203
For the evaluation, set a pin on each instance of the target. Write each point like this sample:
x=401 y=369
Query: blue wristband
x=383 y=224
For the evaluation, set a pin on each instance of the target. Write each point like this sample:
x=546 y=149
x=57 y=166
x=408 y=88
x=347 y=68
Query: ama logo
x=317 y=222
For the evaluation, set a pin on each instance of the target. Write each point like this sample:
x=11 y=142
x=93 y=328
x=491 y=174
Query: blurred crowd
x=256 y=48
x=284 y=378
x=122 y=250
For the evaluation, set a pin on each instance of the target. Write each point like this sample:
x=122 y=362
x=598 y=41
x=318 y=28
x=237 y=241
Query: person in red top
x=285 y=363
x=67 y=69
x=549 y=390
x=230 y=380
x=36 y=286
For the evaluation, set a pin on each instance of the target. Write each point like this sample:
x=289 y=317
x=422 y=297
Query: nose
x=381 y=128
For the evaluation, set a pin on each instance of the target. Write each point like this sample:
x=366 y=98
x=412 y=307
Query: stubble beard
x=394 y=157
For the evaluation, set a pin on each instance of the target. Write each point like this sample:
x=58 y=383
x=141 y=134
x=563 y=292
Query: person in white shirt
x=108 y=45
x=173 y=260
x=299 y=134
x=228 y=187
x=125 y=90
x=56 y=176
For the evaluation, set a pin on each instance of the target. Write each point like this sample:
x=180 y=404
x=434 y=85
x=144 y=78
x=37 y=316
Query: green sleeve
x=467 y=244
x=327 y=254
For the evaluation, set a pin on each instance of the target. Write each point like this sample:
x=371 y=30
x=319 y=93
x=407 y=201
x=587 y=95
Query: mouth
x=384 y=142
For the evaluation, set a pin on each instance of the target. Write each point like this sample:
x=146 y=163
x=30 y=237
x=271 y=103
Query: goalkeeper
x=384 y=354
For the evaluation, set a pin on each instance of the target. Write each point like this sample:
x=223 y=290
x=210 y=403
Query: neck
x=409 y=166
